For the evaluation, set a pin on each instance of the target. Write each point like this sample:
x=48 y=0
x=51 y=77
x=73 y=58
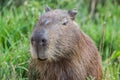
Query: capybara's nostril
x=32 y=40
x=39 y=38
x=43 y=42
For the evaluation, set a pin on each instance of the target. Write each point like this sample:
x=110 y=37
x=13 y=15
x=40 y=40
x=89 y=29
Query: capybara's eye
x=65 y=21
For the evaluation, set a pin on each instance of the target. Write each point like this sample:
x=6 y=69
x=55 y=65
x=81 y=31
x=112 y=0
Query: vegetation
x=18 y=17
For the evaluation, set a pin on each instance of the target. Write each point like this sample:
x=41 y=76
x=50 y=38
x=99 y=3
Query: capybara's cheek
x=50 y=53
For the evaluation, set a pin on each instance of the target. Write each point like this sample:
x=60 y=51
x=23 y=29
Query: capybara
x=61 y=50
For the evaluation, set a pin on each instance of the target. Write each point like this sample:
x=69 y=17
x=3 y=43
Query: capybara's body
x=61 y=51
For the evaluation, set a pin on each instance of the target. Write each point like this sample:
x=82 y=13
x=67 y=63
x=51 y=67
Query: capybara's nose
x=39 y=39
x=43 y=41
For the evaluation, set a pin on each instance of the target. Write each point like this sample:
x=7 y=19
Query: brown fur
x=71 y=54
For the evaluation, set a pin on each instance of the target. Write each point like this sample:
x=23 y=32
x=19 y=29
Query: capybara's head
x=55 y=35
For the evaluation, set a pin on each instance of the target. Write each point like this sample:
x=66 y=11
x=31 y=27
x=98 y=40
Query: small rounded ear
x=72 y=13
x=47 y=9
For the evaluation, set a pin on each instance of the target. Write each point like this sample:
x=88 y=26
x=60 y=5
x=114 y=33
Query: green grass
x=16 y=24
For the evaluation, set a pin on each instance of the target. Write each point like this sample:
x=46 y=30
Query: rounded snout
x=39 y=39
x=39 y=45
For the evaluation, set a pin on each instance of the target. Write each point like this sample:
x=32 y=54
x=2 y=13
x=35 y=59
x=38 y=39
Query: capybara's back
x=61 y=51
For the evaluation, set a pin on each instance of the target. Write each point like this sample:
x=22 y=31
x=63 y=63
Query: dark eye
x=65 y=21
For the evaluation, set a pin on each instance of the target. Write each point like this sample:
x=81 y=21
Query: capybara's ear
x=72 y=13
x=47 y=9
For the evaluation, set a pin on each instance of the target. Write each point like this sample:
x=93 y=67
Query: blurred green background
x=100 y=20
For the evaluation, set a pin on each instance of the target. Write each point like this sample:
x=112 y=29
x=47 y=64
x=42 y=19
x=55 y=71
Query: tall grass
x=16 y=24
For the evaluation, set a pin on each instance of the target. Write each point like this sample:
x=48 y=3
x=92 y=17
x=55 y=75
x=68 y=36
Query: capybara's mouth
x=42 y=59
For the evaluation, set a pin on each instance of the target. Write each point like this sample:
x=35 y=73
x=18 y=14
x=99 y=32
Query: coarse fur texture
x=68 y=53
